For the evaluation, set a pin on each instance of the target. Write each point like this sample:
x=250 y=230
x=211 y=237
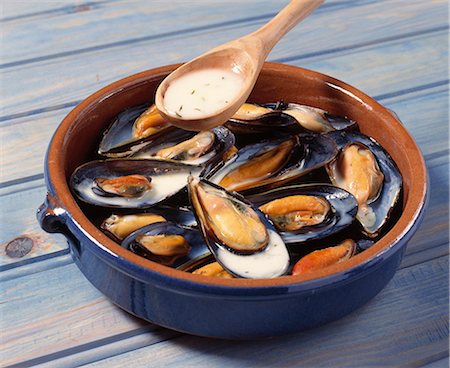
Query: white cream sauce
x=273 y=261
x=162 y=185
x=202 y=93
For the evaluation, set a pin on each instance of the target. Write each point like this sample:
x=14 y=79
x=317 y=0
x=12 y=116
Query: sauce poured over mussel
x=235 y=224
x=125 y=182
x=123 y=186
x=239 y=236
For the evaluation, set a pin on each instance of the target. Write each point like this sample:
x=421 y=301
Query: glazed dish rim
x=141 y=268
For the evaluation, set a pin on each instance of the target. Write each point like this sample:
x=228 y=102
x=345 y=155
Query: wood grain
x=378 y=80
x=390 y=323
x=18 y=218
x=91 y=70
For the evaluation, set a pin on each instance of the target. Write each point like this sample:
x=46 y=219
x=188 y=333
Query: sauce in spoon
x=202 y=92
x=238 y=62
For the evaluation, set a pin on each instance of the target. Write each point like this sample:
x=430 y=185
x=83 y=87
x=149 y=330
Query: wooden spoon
x=244 y=56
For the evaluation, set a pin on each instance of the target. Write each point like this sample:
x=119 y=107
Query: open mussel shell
x=121 y=223
x=194 y=148
x=166 y=179
x=240 y=237
x=378 y=208
x=254 y=118
x=340 y=214
x=272 y=163
x=206 y=265
x=122 y=138
x=313 y=119
x=167 y=243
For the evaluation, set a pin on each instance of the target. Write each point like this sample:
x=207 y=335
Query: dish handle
x=52 y=218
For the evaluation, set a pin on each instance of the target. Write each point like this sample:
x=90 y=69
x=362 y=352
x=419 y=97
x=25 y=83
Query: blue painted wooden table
x=56 y=53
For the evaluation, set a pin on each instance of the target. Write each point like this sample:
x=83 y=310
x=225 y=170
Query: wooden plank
x=123 y=21
x=393 y=322
x=35 y=131
x=18 y=220
x=441 y=363
x=63 y=77
x=20 y=9
x=128 y=21
x=435 y=227
x=135 y=21
x=47 y=323
x=60 y=318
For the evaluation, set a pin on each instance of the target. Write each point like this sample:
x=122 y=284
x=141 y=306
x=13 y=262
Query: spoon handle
x=270 y=33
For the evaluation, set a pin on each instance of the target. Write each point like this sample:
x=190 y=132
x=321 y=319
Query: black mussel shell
x=193 y=237
x=383 y=205
x=109 y=221
x=224 y=140
x=167 y=179
x=265 y=123
x=282 y=118
x=309 y=152
x=118 y=140
x=342 y=213
x=270 y=261
x=327 y=122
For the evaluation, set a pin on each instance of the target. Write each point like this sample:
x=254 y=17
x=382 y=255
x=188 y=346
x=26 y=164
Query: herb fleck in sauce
x=202 y=93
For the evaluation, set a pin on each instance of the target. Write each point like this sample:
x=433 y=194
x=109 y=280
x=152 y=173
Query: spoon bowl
x=244 y=57
x=237 y=60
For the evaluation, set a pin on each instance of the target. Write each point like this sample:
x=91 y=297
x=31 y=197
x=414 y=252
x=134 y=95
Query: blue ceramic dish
x=230 y=308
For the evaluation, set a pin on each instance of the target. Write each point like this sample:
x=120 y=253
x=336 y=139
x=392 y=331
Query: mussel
x=129 y=186
x=239 y=236
x=166 y=178
x=213 y=269
x=272 y=163
x=167 y=243
x=326 y=257
x=308 y=211
x=203 y=148
x=254 y=118
x=368 y=172
x=130 y=129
